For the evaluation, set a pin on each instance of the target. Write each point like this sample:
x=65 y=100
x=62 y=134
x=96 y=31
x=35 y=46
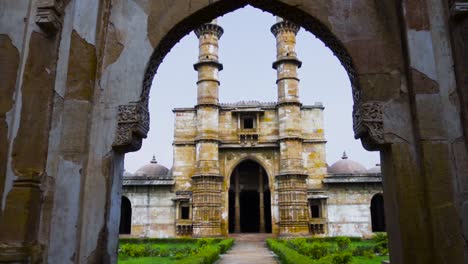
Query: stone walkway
x=249 y=248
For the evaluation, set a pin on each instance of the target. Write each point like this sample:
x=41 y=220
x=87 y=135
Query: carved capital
x=49 y=15
x=132 y=127
x=284 y=26
x=209 y=28
x=368 y=124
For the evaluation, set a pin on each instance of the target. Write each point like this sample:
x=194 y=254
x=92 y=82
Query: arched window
x=125 y=216
x=377 y=213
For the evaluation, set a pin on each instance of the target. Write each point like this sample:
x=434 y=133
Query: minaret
x=292 y=187
x=207 y=181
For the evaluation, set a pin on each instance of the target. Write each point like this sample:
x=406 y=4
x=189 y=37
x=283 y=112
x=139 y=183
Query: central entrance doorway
x=249 y=199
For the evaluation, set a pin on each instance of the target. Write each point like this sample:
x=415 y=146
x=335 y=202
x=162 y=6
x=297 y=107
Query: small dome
x=153 y=169
x=127 y=174
x=375 y=169
x=346 y=166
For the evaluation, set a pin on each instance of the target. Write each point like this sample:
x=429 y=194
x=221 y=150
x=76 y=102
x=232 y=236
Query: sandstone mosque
x=251 y=167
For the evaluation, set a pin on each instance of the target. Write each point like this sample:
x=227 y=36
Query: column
x=261 y=200
x=292 y=188
x=237 y=202
x=207 y=181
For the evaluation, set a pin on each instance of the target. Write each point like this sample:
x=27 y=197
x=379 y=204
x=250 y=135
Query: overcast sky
x=247 y=50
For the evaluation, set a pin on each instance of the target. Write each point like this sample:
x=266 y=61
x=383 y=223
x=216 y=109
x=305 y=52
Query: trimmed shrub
x=206 y=255
x=362 y=250
x=342 y=258
x=343 y=243
x=315 y=250
x=225 y=245
x=381 y=243
x=286 y=254
x=133 y=250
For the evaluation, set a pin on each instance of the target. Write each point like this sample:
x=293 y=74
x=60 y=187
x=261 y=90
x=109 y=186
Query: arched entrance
x=125 y=216
x=377 y=213
x=249 y=199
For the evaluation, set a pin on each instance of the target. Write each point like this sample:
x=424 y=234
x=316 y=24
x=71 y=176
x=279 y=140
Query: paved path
x=249 y=248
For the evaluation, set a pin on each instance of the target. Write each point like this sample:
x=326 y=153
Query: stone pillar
x=207 y=180
x=261 y=200
x=292 y=188
x=237 y=202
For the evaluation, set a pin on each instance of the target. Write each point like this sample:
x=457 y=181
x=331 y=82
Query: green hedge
x=208 y=253
x=135 y=240
x=286 y=254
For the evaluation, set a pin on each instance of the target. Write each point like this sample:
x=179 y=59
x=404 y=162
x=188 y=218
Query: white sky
x=247 y=50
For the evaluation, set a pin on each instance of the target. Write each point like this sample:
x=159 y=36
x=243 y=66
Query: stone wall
x=348 y=208
x=153 y=210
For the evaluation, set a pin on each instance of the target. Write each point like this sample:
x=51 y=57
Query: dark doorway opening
x=250 y=212
x=125 y=216
x=377 y=213
x=249 y=199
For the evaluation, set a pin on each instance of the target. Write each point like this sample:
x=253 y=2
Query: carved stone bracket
x=368 y=124
x=132 y=127
x=50 y=15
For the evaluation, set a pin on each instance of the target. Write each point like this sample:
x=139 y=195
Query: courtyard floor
x=249 y=248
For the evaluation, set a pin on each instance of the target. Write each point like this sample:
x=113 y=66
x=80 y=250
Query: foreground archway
x=249 y=199
x=407 y=107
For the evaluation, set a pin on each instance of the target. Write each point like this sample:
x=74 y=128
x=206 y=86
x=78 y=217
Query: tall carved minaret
x=292 y=187
x=207 y=181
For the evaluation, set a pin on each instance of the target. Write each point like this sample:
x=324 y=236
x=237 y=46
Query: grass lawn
x=364 y=260
x=147 y=260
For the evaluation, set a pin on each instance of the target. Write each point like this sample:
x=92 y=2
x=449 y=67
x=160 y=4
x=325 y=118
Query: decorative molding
x=49 y=15
x=284 y=26
x=209 y=28
x=132 y=127
x=368 y=124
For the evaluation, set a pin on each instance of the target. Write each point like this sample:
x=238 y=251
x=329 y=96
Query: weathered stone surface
x=31 y=143
x=423 y=84
x=8 y=70
x=114 y=45
x=81 y=69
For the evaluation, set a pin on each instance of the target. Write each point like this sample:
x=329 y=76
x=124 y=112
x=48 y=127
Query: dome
x=346 y=166
x=127 y=174
x=375 y=169
x=153 y=169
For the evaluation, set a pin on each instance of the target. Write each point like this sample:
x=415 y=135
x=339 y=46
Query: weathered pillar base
x=292 y=201
x=207 y=205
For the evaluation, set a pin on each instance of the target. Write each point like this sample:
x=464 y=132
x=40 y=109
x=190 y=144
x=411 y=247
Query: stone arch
x=253 y=158
x=377 y=213
x=125 y=226
x=361 y=69
x=248 y=196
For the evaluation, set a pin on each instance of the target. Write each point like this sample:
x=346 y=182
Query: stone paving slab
x=249 y=248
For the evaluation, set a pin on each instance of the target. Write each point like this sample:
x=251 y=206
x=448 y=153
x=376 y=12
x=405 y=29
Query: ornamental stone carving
x=209 y=28
x=132 y=127
x=368 y=124
x=49 y=15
